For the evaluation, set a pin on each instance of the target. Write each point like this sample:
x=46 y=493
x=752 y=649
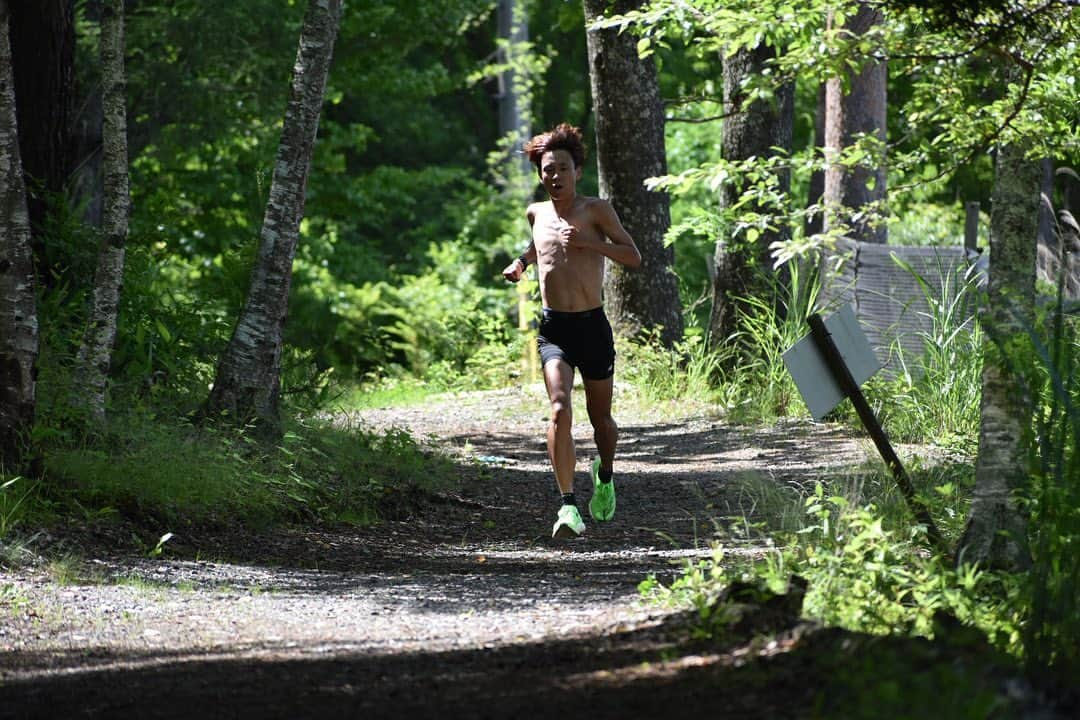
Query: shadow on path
x=466 y=608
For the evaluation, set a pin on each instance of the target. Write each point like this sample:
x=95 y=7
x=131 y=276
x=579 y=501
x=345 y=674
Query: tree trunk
x=741 y=264
x=816 y=194
x=513 y=30
x=18 y=309
x=630 y=148
x=85 y=185
x=860 y=111
x=996 y=531
x=248 y=381
x=95 y=353
x=43 y=56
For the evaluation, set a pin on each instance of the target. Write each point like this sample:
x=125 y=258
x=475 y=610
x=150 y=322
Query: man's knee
x=561 y=412
x=605 y=424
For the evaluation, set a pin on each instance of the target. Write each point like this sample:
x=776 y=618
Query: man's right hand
x=513 y=271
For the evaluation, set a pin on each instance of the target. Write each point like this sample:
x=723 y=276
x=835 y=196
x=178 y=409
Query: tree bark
x=860 y=111
x=18 y=308
x=43 y=55
x=629 y=149
x=513 y=30
x=95 y=353
x=996 y=530
x=248 y=381
x=85 y=185
x=816 y=193
x=742 y=265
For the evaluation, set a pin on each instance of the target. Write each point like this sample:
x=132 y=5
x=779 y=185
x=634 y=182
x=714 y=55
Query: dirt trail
x=468 y=608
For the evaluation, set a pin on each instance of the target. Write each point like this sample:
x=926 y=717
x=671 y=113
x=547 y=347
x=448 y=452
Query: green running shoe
x=569 y=525
x=602 y=503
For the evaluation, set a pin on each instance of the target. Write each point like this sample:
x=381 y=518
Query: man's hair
x=562 y=137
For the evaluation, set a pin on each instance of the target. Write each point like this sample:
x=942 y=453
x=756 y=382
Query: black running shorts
x=582 y=339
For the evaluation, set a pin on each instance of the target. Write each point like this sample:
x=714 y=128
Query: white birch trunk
x=95 y=353
x=996 y=531
x=248 y=381
x=18 y=308
x=513 y=32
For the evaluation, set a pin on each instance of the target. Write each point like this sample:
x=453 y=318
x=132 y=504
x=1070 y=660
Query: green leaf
x=163 y=331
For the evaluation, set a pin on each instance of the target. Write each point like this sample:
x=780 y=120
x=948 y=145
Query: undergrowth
x=867 y=571
x=179 y=475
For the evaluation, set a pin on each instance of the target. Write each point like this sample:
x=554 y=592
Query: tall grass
x=175 y=474
x=14 y=493
x=687 y=371
x=767 y=326
x=935 y=396
x=1052 y=631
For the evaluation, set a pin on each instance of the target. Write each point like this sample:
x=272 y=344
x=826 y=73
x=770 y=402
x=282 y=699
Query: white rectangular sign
x=819 y=389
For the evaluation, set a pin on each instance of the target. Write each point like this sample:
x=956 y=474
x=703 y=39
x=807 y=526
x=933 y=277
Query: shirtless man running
x=571 y=236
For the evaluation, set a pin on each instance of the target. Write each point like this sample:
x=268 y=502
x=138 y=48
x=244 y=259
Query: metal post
x=971 y=226
x=851 y=389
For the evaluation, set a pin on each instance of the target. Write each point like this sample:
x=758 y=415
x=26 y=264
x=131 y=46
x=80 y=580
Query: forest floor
x=465 y=607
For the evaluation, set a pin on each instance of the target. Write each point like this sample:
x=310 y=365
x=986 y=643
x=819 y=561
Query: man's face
x=558 y=174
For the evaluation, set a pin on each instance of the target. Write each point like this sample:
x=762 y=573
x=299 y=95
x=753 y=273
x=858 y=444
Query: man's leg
x=559 y=378
x=605 y=431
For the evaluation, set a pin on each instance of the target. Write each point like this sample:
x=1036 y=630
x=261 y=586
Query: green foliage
x=955 y=90
x=14 y=496
x=956 y=679
x=363 y=475
x=439 y=324
x=695 y=217
x=389 y=391
x=166 y=340
x=169 y=334
x=934 y=224
x=862 y=576
x=453 y=315
x=181 y=476
x=171 y=472
x=865 y=577
x=558 y=31
x=1052 y=376
x=745 y=375
x=402 y=138
x=766 y=327
x=697 y=586
x=402 y=166
x=159 y=546
x=687 y=371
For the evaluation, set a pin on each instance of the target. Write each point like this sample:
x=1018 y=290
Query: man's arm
x=516 y=268
x=621 y=249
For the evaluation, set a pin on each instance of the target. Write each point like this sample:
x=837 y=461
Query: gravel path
x=472 y=579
